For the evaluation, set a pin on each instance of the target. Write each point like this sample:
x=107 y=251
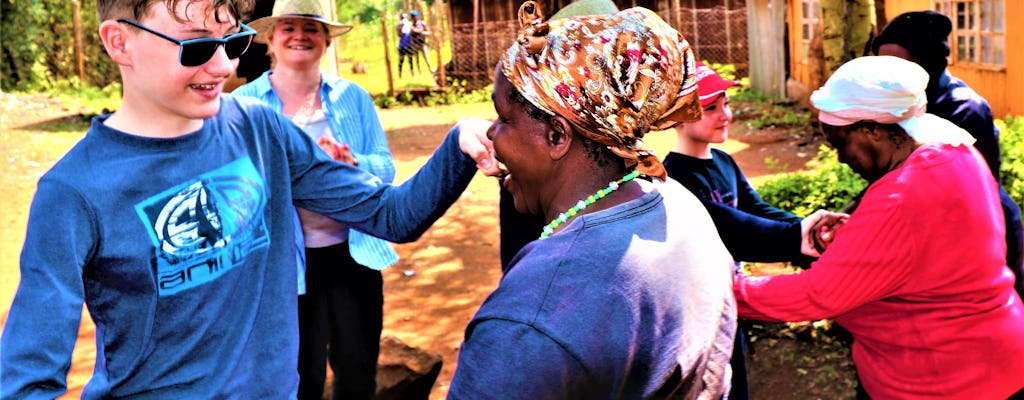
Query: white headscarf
x=887 y=90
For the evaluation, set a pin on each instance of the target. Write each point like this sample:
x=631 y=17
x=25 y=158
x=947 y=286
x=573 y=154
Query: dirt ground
x=432 y=293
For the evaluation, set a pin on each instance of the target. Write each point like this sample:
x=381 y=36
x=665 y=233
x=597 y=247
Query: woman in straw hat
x=626 y=293
x=342 y=306
x=917 y=273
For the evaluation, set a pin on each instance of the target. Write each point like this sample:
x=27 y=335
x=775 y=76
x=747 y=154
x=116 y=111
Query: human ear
x=559 y=136
x=873 y=132
x=115 y=40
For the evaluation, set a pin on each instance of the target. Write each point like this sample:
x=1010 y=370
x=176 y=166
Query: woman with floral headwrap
x=917 y=273
x=626 y=292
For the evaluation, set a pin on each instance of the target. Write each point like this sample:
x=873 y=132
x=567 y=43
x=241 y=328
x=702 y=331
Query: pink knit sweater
x=917 y=275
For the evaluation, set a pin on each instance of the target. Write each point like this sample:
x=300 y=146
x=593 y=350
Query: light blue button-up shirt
x=353 y=120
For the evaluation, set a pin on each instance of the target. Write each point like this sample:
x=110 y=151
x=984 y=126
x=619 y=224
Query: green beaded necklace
x=580 y=205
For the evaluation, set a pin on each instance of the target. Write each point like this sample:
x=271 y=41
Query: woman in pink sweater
x=917 y=274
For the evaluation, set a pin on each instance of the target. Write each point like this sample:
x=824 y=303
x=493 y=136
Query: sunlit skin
x=519 y=144
x=695 y=138
x=869 y=149
x=298 y=43
x=161 y=97
x=546 y=167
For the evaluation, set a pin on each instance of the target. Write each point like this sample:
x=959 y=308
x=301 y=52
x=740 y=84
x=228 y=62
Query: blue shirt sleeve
x=42 y=324
x=750 y=202
x=394 y=213
x=755 y=239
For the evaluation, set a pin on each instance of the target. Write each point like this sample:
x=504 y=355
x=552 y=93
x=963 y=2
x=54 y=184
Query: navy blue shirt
x=751 y=229
x=951 y=99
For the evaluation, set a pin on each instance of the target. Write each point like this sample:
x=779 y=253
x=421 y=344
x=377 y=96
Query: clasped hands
x=818 y=230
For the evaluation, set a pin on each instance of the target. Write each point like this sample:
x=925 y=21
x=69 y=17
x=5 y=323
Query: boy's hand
x=337 y=151
x=474 y=142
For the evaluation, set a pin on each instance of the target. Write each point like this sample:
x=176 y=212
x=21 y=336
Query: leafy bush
x=1011 y=142
x=830 y=185
x=456 y=93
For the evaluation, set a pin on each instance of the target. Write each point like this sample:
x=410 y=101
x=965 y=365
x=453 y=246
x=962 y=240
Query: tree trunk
x=846 y=28
x=862 y=27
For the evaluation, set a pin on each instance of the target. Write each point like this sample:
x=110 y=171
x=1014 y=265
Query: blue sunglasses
x=196 y=52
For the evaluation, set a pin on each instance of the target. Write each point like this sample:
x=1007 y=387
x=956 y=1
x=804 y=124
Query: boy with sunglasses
x=172 y=221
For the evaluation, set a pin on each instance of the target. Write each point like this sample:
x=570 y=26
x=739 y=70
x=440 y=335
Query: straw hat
x=305 y=9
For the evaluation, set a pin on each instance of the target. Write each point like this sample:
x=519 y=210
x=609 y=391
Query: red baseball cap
x=710 y=84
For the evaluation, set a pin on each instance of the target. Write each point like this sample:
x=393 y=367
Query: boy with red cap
x=739 y=212
x=751 y=229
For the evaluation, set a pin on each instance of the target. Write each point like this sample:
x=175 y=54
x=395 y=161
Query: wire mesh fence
x=717 y=35
x=477 y=49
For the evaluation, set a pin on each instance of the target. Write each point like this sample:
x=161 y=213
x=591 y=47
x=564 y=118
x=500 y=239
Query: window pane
x=972 y=48
x=999 y=50
x=985 y=16
x=961 y=16
x=998 y=16
x=805 y=10
x=805 y=34
x=972 y=16
x=986 y=50
x=961 y=48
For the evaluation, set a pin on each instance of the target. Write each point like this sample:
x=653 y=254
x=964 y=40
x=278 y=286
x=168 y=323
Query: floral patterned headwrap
x=615 y=77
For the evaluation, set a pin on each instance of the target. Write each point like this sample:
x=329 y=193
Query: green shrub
x=829 y=185
x=1011 y=142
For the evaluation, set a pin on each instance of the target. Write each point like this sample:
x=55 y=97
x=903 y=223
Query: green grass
x=89 y=99
x=364 y=44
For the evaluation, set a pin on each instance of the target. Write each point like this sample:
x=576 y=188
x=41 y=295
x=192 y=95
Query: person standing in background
x=420 y=32
x=341 y=312
x=405 y=48
x=715 y=178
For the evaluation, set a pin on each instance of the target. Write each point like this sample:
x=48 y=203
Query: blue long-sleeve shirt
x=751 y=229
x=182 y=250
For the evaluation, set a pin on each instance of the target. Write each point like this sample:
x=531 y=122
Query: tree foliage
x=365 y=11
x=38 y=45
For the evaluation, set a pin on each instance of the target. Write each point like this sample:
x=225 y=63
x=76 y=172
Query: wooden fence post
x=387 y=53
x=76 y=17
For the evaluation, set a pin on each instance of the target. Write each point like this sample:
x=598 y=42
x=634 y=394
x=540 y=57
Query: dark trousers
x=340 y=320
x=740 y=388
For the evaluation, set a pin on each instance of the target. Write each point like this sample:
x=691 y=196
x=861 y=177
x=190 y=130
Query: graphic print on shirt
x=729 y=198
x=203 y=228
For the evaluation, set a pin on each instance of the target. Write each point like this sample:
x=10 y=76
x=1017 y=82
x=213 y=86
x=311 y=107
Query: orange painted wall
x=1003 y=87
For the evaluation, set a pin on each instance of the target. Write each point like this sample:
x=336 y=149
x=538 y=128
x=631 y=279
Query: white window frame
x=979 y=31
x=809 y=26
